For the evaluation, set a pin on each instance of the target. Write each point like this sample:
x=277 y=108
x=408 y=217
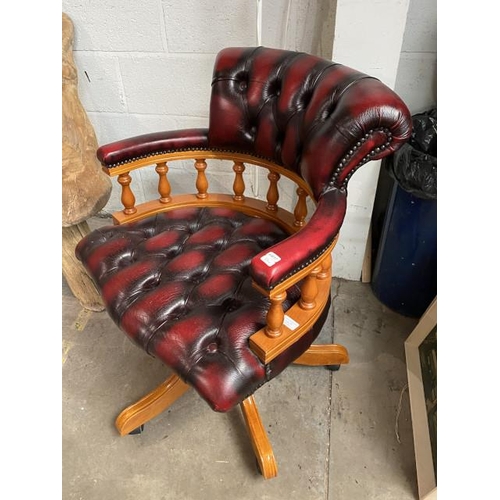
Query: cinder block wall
x=416 y=78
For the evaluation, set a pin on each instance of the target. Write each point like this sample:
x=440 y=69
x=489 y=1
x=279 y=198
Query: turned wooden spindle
x=326 y=267
x=239 y=183
x=309 y=290
x=300 y=211
x=272 y=192
x=128 y=198
x=201 y=179
x=275 y=315
x=163 y=184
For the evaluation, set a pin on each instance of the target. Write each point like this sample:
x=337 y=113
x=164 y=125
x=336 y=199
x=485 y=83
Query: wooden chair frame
x=281 y=330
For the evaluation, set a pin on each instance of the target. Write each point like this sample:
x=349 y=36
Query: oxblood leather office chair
x=224 y=289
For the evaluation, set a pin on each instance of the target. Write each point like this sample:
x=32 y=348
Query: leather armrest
x=133 y=148
x=283 y=260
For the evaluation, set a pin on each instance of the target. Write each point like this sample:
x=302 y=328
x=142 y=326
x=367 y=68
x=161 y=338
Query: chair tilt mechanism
x=225 y=289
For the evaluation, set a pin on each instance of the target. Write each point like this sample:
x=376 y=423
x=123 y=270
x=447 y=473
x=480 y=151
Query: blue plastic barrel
x=404 y=275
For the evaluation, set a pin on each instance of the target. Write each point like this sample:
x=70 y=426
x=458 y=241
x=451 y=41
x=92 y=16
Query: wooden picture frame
x=426 y=475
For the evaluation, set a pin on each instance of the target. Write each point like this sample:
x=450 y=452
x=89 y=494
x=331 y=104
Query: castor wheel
x=333 y=368
x=138 y=430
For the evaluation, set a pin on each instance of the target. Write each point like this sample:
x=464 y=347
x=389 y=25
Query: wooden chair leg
x=260 y=441
x=150 y=405
x=324 y=355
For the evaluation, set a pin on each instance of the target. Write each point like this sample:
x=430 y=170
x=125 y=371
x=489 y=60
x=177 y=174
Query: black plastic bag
x=414 y=165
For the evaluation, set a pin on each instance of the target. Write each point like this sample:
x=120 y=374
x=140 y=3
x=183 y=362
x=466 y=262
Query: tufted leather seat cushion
x=177 y=284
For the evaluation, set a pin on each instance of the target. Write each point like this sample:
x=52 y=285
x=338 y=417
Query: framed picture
x=421 y=365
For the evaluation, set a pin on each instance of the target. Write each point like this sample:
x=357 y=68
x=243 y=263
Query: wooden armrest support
x=297 y=321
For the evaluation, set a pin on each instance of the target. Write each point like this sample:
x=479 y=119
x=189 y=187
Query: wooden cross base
x=158 y=400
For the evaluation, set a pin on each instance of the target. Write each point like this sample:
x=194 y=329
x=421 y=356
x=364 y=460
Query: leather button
x=213 y=347
x=243 y=86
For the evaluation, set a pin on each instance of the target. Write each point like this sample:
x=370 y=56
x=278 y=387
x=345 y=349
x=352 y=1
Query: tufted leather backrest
x=317 y=118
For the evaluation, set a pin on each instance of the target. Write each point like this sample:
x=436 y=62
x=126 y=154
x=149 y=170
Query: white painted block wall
x=416 y=80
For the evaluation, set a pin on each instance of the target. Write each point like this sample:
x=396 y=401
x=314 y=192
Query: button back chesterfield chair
x=224 y=289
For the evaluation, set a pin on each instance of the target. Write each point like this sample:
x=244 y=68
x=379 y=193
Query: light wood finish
x=128 y=198
x=426 y=478
x=326 y=268
x=210 y=154
x=163 y=184
x=432 y=495
x=273 y=193
x=150 y=405
x=275 y=315
x=260 y=441
x=201 y=179
x=309 y=290
x=78 y=280
x=324 y=355
x=300 y=211
x=267 y=348
x=249 y=206
x=239 y=183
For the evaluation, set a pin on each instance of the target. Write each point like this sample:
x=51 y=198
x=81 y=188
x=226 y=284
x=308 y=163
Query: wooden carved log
x=78 y=280
x=85 y=187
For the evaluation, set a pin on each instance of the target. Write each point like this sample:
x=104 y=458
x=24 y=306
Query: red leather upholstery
x=302 y=248
x=317 y=118
x=133 y=148
x=179 y=284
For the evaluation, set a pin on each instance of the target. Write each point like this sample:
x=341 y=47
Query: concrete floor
x=333 y=433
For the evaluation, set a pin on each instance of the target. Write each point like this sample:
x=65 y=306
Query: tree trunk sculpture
x=85 y=187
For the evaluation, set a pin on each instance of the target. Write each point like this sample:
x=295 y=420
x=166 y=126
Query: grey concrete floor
x=335 y=435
